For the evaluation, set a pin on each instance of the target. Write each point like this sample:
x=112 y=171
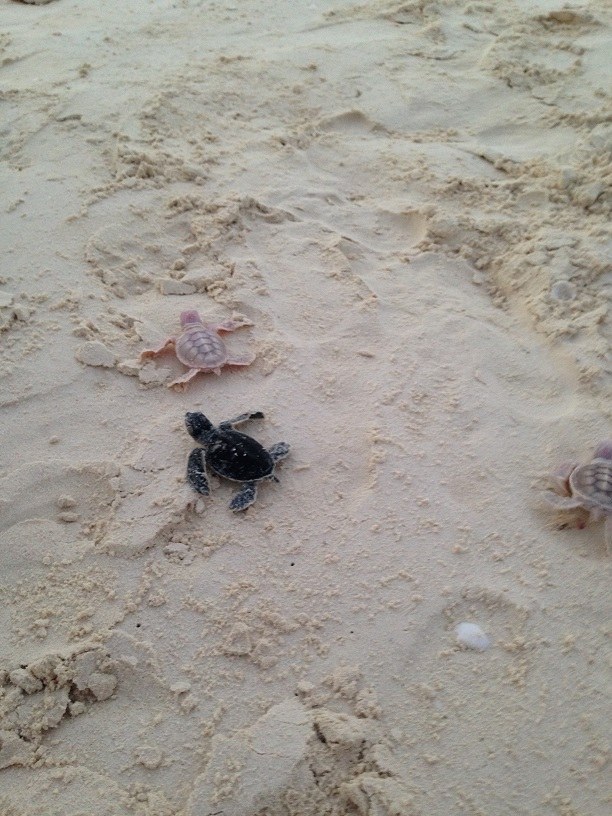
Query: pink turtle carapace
x=200 y=347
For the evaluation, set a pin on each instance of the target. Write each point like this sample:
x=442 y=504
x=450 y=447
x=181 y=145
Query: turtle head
x=189 y=317
x=198 y=426
x=603 y=450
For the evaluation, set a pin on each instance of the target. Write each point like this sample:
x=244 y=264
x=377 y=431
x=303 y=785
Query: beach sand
x=410 y=201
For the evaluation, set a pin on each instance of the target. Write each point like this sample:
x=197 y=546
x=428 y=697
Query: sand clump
x=36 y=697
x=410 y=203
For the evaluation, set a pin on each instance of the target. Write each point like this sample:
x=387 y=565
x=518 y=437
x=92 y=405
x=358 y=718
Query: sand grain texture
x=410 y=201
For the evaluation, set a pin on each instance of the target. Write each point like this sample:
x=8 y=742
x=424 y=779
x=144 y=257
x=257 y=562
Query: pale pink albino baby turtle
x=588 y=487
x=200 y=348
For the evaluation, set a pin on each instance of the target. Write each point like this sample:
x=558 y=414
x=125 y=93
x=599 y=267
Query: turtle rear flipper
x=244 y=498
x=196 y=472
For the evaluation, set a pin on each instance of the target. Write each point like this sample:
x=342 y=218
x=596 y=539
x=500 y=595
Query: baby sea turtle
x=230 y=454
x=200 y=348
x=588 y=487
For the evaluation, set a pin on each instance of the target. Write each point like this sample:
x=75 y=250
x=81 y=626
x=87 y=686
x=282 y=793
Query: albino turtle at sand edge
x=575 y=486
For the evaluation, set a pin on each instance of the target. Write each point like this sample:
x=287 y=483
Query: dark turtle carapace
x=231 y=454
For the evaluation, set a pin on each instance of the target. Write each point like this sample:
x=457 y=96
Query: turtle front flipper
x=196 y=472
x=279 y=451
x=240 y=360
x=562 y=502
x=230 y=325
x=240 y=419
x=167 y=345
x=244 y=498
x=180 y=384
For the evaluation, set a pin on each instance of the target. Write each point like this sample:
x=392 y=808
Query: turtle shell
x=199 y=347
x=593 y=483
x=238 y=457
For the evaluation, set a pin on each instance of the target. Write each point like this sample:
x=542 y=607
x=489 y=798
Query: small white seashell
x=563 y=290
x=471 y=636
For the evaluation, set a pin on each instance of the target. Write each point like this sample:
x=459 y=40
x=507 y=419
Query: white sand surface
x=410 y=200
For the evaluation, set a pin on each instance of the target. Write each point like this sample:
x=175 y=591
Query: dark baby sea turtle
x=230 y=454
